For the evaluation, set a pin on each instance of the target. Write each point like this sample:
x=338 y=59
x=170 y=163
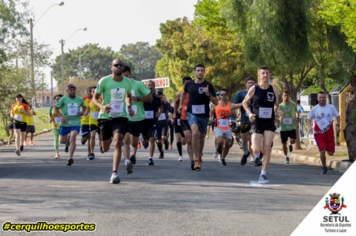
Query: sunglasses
x=223 y=94
x=119 y=64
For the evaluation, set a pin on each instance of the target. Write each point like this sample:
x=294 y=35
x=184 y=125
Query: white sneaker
x=219 y=157
x=252 y=159
x=215 y=155
x=114 y=179
x=263 y=179
x=180 y=158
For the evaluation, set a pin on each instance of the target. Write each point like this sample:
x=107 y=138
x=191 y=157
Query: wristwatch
x=138 y=99
x=209 y=95
x=337 y=125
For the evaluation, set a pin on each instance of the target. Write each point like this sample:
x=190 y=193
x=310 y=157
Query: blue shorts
x=85 y=130
x=66 y=130
x=201 y=121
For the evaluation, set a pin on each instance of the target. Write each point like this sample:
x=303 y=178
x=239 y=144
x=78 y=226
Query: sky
x=110 y=23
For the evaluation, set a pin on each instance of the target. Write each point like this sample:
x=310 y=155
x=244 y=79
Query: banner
x=159 y=83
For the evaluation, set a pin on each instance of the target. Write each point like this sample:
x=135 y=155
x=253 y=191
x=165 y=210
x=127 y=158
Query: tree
x=81 y=84
x=144 y=57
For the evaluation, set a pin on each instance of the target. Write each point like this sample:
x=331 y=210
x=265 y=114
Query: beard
x=118 y=73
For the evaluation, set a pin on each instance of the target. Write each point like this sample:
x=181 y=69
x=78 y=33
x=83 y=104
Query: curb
x=314 y=161
x=35 y=134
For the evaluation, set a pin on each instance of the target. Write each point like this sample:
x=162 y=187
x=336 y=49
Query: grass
x=42 y=122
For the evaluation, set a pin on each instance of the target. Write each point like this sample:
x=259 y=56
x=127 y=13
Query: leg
x=31 y=137
x=171 y=130
x=92 y=142
x=56 y=139
x=10 y=137
x=201 y=144
x=195 y=140
x=268 y=139
x=26 y=136
x=257 y=139
x=188 y=137
x=179 y=144
x=89 y=138
x=226 y=147
x=245 y=138
x=17 y=138
x=64 y=139
x=117 y=151
x=134 y=144
x=323 y=157
x=220 y=143
x=285 y=149
x=73 y=145
x=23 y=136
x=152 y=146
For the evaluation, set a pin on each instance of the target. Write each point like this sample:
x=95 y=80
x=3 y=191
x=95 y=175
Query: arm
x=276 y=103
x=34 y=113
x=128 y=101
x=233 y=114
x=338 y=124
x=87 y=111
x=159 y=111
x=27 y=113
x=246 y=101
x=97 y=103
x=147 y=98
x=310 y=128
x=182 y=99
x=235 y=106
x=211 y=115
x=176 y=104
x=82 y=111
x=56 y=110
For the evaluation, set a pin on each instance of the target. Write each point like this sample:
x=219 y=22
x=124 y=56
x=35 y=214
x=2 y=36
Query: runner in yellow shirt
x=85 y=121
x=55 y=120
x=30 y=126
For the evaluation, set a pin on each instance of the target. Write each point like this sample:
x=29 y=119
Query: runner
x=212 y=120
x=30 y=126
x=171 y=125
x=70 y=118
x=19 y=111
x=85 y=123
x=224 y=110
x=245 y=121
x=139 y=94
x=201 y=92
x=288 y=123
x=162 y=125
x=323 y=114
x=153 y=110
x=301 y=115
x=263 y=97
x=93 y=112
x=55 y=120
x=112 y=121
x=11 y=129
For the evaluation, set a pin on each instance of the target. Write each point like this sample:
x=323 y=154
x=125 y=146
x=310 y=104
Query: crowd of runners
x=127 y=113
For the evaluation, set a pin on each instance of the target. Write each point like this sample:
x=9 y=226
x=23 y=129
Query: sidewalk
x=4 y=142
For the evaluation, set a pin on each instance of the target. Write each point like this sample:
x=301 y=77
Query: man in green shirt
x=139 y=94
x=114 y=109
x=288 y=123
x=70 y=118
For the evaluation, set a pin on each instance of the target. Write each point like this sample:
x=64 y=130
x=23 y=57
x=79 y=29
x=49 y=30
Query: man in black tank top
x=264 y=104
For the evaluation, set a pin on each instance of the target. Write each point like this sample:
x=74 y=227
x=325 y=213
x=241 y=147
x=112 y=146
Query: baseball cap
x=70 y=86
x=218 y=93
x=186 y=78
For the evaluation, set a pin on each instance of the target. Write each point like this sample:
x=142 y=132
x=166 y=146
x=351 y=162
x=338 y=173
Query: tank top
x=56 y=119
x=262 y=103
x=184 y=109
x=222 y=116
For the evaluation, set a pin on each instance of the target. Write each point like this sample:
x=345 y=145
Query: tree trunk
x=350 y=129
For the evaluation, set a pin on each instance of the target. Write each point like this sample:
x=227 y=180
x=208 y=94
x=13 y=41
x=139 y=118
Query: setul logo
x=335 y=204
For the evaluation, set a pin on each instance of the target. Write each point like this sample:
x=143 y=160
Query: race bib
x=223 y=123
x=134 y=108
x=246 y=114
x=323 y=123
x=95 y=115
x=265 y=112
x=178 y=122
x=72 y=122
x=88 y=114
x=198 y=109
x=162 y=116
x=149 y=114
x=18 y=117
x=72 y=109
x=117 y=107
x=57 y=120
x=287 y=121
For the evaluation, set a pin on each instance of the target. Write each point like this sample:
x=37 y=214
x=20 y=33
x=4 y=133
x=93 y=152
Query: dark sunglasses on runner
x=223 y=94
x=119 y=64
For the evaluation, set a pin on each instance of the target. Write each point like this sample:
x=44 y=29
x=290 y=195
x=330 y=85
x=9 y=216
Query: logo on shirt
x=328 y=115
x=117 y=89
x=270 y=96
x=201 y=90
x=322 y=115
x=97 y=86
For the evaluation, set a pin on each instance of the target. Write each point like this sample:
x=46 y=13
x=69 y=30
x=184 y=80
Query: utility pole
x=51 y=88
x=62 y=69
x=80 y=67
x=32 y=69
x=42 y=94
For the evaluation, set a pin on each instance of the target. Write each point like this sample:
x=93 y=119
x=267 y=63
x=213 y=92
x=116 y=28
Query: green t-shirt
x=139 y=89
x=114 y=93
x=70 y=110
x=289 y=117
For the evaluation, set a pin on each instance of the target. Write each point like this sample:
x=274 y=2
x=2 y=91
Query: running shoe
x=146 y=146
x=252 y=159
x=32 y=143
x=166 y=144
x=66 y=149
x=138 y=145
x=219 y=157
x=161 y=156
x=197 y=165
x=88 y=157
x=21 y=148
x=180 y=158
x=92 y=156
x=150 y=162
x=25 y=143
x=222 y=162
x=114 y=179
x=324 y=171
x=244 y=158
x=215 y=155
x=129 y=167
x=133 y=159
x=70 y=162
x=263 y=179
x=290 y=148
x=170 y=147
x=287 y=160
x=207 y=137
x=101 y=148
x=18 y=152
x=192 y=163
x=56 y=156
x=258 y=161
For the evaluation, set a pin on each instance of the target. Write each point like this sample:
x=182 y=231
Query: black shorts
x=245 y=128
x=20 y=125
x=94 y=128
x=30 y=129
x=185 y=125
x=111 y=126
x=259 y=127
x=178 y=127
x=162 y=130
x=148 y=129
x=11 y=126
x=288 y=134
x=134 y=127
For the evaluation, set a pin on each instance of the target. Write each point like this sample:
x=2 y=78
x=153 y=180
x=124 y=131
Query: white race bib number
x=178 y=122
x=88 y=114
x=117 y=107
x=72 y=122
x=162 y=116
x=72 y=109
x=265 y=112
x=198 y=109
x=149 y=114
x=134 y=108
x=223 y=123
x=323 y=123
x=95 y=115
x=57 y=120
x=287 y=121
x=246 y=114
x=18 y=117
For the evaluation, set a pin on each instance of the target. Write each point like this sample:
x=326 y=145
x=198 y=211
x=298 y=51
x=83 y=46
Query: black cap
x=70 y=86
x=19 y=95
x=186 y=78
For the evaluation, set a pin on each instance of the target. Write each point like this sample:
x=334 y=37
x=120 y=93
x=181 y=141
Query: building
x=46 y=98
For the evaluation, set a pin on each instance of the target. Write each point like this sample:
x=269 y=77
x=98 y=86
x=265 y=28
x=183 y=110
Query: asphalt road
x=165 y=199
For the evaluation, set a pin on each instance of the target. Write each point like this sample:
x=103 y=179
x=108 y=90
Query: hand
x=20 y=110
x=211 y=121
x=81 y=113
x=131 y=112
x=50 y=120
x=63 y=120
x=298 y=120
x=172 y=122
x=281 y=118
x=180 y=110
x=107 y=108
x=174 y=116
x=252 y=117
x=134 y=99
x=337 y=129
x=310 y=130
x=279 y=112
x=206 y=91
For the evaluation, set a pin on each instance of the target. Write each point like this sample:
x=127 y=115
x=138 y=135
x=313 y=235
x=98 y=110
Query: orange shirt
x=184 y=109
x=17 y=115
x=222 y=116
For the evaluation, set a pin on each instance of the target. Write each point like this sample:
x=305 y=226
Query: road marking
x=256 y=184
